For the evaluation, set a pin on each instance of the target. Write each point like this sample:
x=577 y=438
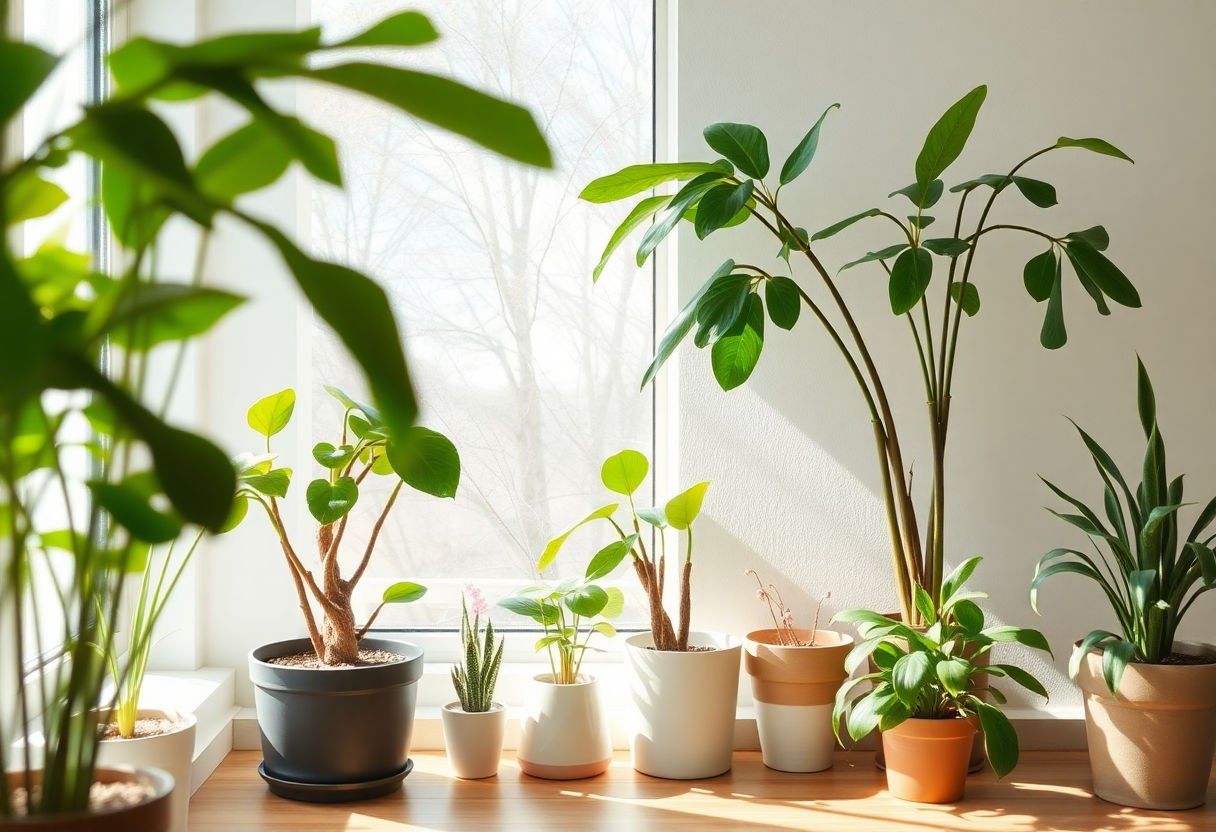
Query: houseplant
x=795 y=673
x=728 y=311
x=58 y=312
x=473 y=725
x=1142 y=681
x=564 y=735
x=684 y=683
x=336 y=709
x=923 y=698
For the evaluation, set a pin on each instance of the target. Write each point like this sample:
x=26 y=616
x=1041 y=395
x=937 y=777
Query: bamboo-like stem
x=685 y=596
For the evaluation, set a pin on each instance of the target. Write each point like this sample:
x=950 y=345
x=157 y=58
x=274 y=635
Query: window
x=531 y=370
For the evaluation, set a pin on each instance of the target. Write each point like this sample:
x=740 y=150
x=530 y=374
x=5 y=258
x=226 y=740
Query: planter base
x=334 y=792
x=576 y=772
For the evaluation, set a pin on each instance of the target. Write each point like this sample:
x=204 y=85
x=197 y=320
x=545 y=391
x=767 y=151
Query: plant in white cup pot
x=795 y=673
x=684 y=684
x=473 y=725
x=1143 y=681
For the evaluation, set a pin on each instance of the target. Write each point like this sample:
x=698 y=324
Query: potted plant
x=795 y=673
x=727 y=314
x=923 y=696
x=684 y=683
x=473 y=725
x=1142 y=681
x=336 y=708
x=563 y=734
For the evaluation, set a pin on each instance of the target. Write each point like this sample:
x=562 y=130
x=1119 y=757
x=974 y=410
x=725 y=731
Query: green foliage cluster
x=476 y=679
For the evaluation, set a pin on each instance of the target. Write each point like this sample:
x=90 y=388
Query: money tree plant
x=422 y=459
x=727 y=314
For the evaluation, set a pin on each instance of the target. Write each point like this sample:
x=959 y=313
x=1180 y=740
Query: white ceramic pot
x=563 y=734
x=172 y=753
x=684 y=706
x=473 y=740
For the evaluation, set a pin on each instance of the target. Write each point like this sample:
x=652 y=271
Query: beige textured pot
x=794 y=687
x=172 y=752
x=1151 y=747
x=473 y=740
x=563 y=735
x=927 y=759
x=153 y=815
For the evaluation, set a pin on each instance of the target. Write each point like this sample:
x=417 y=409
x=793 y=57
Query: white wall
x=791 y=453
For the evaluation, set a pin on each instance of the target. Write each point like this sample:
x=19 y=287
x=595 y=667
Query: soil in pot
x=120 y=801
x=927 y=759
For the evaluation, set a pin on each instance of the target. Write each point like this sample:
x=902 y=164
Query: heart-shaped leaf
x=328 y=502
x=330 y=457
x=271 y=414
x=682 y=509
x=624 y=472
x=427 y=461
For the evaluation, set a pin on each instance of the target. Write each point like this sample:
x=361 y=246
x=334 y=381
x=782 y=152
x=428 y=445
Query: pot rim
x=845 y=639
x=583 y=680
x=161 y=781
x=457 y=708
x=935 y=729
x=412 y=652
x=185 y=720
x=1200 y=648
x=727 y=641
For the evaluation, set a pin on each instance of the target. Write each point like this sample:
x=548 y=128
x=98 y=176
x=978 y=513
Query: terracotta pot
x=153 y=815
x=172 y=752
x=794 y=688
x=927 y=759
x=1151 y=747
x=563 y=735
x=473 y=740
x=683 y=725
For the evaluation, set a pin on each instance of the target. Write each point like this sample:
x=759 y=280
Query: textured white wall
x=791 y=453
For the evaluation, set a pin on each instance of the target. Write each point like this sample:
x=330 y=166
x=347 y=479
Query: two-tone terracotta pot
x=794 y=686
x=171 y=751
x=927 y=759
x=154 y=814
x=1151 y=746
x=563 y=734
x=473 y=740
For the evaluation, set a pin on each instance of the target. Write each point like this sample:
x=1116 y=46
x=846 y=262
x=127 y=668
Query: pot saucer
x=334 y=792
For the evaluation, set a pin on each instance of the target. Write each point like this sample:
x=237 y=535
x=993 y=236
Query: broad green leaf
x=271 y=414
x=155 y=313
x=1039 y=193
x=966 y=296
x=836 y=228
x=924 y=605
x=685 y=197
x=721 y=306
x=141 y=63
x=497 y=125
x=1040 y=274
x=554 y=546
x=637 y=178
x=373 y=415
x=681 y=325
x=426 y=460
x=909 y=675
x=922 y=194
x=132 y=510
x=742 y=144
x=1023 y=678
x=1146 y=399
x=682 y=509
x=1021 y=635
x=654 y=516
x=403 y=592
x=587 y=601
x=969 y=616
x=329 y=503
x=867 y=712
x=27 y=197
x=1054 y=335
x=945 y=246
x=949 y=135
x=23 y=67
x=958 y=576
x=909 y=279
x=640 y=213
x=330 y=457
x=538 y=611
x=922 y=222
x=800 y=157
x=255 y=156
x=1000 y=739
x=1096 y=236
x=1092 y=640
x=720 y=205
x=954 y=674
x=606 y=560
x=132 y=207
x=604 y=628
x=996 y=181
x=882 y=254
x=783 y=300
x=736 y=354
x=402 y=29
x=616 y=603
x=624 y=472
x=1105 y=274
x=272 y=483
x=1094 y=145
x=1116 y=656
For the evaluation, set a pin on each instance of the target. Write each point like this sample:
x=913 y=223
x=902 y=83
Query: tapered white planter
x=563 y=734
x=684 y=706
x=794 y=686
x=473 y=740
x=172 y=753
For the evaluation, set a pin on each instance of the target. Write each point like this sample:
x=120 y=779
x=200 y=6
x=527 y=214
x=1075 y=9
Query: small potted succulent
x=336 y=708
x=563 y=734
x=473 y=725
x=684 y=683
x=923 y=694
x=795 y=673
x=1142 y=681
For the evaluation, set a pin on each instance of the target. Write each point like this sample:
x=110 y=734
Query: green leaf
x=403 y=592
x=783 y=300
x=958 y=576
x=924 y=605
x=1023 y=678
x=1037 y=192
x=742 y=144
x=624 y=472
x=257 y=155
x=996 y=181
x=966 y=296
x=949 y=135
x=640 y=213
x=1105 y=274
x=654 y=516
x=606 y=560
x=682 y=509
x=922 y=194
x=910 y=278
x=637 y=178
x=1095 y=146
x=684 y=198
x=604 y=628
x=131 y=509
x=909 y=675
x=23 y=67
x=1000 y=739
x=616 y=603
x=969 y=616
x=554 y=546
x=587 y=601
x=720 y=205
x=721 y=306
x=1021 y=635
x=427 y=461
x=836 y=228
x=954 y=674
x=882 y=254
x=867 y=712
x=1040 y=274
x=372 y=414
x=736 y=354
x=922 y=222
x=682 y=324
x=1096 y=236
x=538 y=611
x=1116 y=656
x=156 y=313
x=1091 y=641
x=1054 y=335
x=27 y=197
x=271 y=414
x=329 y=503
x=1146 y=399
x=330 y=457
x=142 y=63
x=800 y=157
x=402 y=29
x=273 y=483
x=946 y=246
x=505 y=128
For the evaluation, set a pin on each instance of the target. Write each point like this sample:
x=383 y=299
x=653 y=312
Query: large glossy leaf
x=966 y=296
x=327 y=456
x=945 y=246
x=1039 y=275
x=910 y=674
x=783 y=300
x=1054 y=335
x=684 y=198
x=615 y=605
x=720 y=205
x=402 y=29
x=804 y=152
x=606 y=560
x=587 y=601
x=736 y=354
x=1023 y=678
x=836 y=228
x=270 y=414
x=255 y=156
x=142 y=66
x=1000 y=739
x=1095 y=146
x=949 y=135
x=954 y=674
x=742 y=144
x=22 y=338
x=637 y=178
x=329 y=502
x=554 y=546
x=721 y=306
x=922 y=194
x=154 y=313
x=131 y=508
x=29 y=196
x=1039 y=193
x=1095 y=235
x=23 y=67
x=539 y=611
x=426 y=460
x=1105 y=274
x=640 y=213
x=1021 y=635
x=402 y=592
x=909 y=279
x=681 y=325
x=624 y=472
x=272 y=483
x=682 y=509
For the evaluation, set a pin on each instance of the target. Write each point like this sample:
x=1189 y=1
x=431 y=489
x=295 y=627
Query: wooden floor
x=1049 y=791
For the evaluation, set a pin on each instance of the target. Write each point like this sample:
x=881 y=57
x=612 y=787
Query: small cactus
x=475 y=681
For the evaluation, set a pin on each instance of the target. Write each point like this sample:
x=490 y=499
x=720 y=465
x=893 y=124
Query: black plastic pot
x=335 y=734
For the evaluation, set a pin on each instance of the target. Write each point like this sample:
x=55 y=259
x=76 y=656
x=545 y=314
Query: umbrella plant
x=727 y=314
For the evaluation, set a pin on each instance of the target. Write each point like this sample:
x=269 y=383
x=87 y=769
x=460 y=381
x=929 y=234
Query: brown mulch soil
x=1188 y=658
x=309 y=660
x=144 y=727
x=103 y=797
